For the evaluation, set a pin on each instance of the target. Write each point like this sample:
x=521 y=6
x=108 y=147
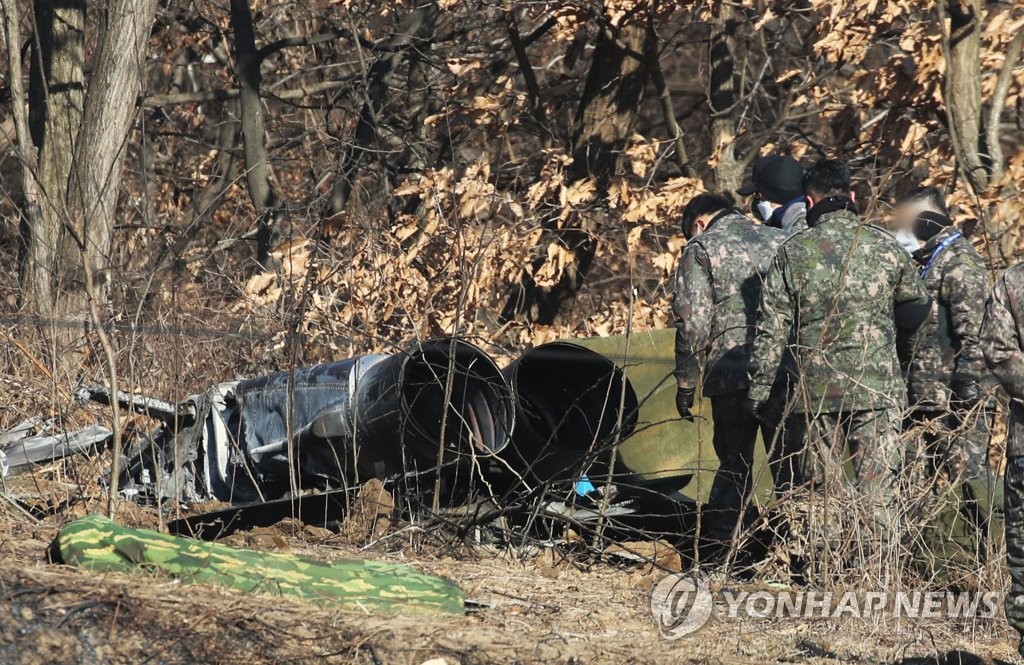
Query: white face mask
x=908 y=240
x=765 y=210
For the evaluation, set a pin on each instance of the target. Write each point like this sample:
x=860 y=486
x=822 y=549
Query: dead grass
x=546 y=606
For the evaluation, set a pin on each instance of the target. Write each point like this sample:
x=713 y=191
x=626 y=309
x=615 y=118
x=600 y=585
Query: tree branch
x=995 y=149
x=539 y=31
x=173 y=99
x=529 y=77
x=413 y=31
x=668 y=110
x=308 y=40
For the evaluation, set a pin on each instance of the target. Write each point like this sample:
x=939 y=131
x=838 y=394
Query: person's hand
x=755 y=408
x=684 y=402
x=966 y=392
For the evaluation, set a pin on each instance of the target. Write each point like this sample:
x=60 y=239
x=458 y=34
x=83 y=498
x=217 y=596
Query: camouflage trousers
x=856 y=457
x=948 y=462
x=952 y=442
x=734 y=438
x=1014 y=515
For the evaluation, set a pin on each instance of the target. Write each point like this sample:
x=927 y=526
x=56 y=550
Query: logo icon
x=680 y=605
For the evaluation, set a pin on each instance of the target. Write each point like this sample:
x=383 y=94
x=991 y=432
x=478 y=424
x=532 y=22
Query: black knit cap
x=778 y=178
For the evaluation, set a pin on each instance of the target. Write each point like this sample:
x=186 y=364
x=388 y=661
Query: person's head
x=910 y=205
x=775 y=181
x=827 y=178
x=701 y=209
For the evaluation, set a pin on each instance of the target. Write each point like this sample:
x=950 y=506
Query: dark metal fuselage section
x=440 y=402
x=572 y=405
x=440 y=405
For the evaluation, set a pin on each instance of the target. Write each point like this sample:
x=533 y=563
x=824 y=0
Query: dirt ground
x=540 y=607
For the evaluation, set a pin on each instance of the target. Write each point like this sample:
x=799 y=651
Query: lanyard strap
x=938 y=250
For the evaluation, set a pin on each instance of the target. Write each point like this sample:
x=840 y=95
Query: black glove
x=755 y=407
x=684 y=402
x=966 y=392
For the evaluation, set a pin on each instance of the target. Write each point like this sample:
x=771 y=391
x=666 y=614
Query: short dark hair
x=933 y=196
x=703 y=204
x=828 y=177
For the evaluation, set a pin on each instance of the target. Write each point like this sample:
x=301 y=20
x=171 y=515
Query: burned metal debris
x=570 y=402
x=33 y=442
x=545 y=431
x=439 y=403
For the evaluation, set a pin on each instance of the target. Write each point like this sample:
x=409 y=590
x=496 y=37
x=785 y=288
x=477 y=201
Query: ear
x=853 y=196
x=810 y=201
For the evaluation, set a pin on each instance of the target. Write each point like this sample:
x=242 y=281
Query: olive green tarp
x=663 y=444
x=98 y=544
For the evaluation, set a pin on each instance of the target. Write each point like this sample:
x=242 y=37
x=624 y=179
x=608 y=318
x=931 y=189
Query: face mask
x=908 y=240
x=761 y=209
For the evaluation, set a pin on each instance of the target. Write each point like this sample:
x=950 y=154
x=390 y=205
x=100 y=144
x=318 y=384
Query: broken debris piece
x=22 y=451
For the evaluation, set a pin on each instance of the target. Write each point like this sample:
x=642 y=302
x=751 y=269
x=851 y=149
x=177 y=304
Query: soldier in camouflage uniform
x=1002 y=332
x=842 y=288
x=945 y=367
x=717 y=288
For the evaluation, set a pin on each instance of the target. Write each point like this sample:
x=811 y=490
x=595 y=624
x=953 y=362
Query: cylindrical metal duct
x=449 y=398
x=570 y=403
x=440 y=401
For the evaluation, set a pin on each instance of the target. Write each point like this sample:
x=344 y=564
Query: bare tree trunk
x=114 y=86
x=995 y=116
x=110 y=109
x=81 y=129
x=609 y=104
x=722 y=97
x=604 y=122
x=11 y=32
x=56 y=104
x=962 y=94
x=254 y=130
x=413 y=29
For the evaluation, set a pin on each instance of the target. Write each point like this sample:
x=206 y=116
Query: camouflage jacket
x=1002 y=339
x=946 y=344
x=717 y=288
x=834 y=287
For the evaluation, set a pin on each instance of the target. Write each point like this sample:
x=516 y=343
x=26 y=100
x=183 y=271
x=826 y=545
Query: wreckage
x=582 y=433
x=440 y=405
x=561 y=415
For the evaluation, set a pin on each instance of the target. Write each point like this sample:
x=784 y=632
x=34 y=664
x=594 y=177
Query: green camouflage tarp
x=98 y=544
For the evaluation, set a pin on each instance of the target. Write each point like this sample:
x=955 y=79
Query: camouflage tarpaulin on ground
x=98 y=544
